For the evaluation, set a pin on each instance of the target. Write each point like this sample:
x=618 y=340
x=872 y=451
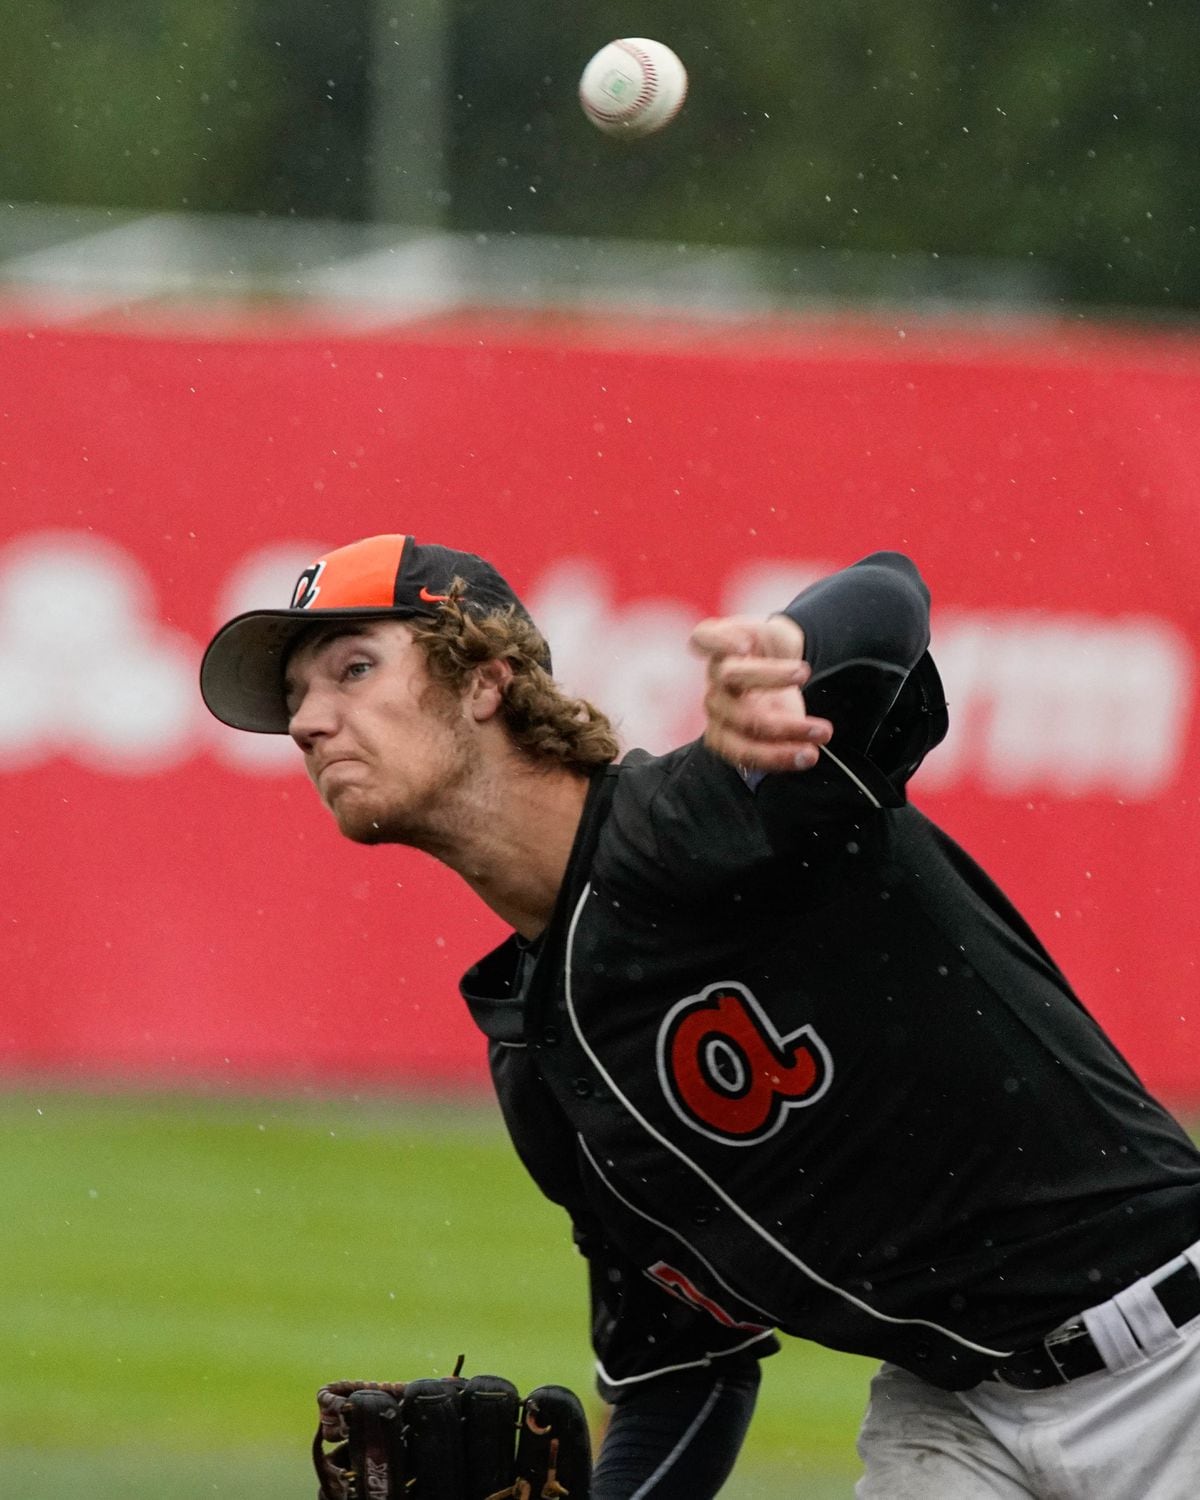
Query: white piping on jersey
x=690 y=1364
x=715 y=1188
x=860 y=661
x=680 y=1447
x=674 y=1233
x=863 y=788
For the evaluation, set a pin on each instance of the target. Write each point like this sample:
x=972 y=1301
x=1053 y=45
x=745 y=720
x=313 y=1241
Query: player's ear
x=486 y=692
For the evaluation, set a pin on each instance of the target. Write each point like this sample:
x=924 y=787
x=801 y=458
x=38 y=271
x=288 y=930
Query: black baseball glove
x=451 y=1439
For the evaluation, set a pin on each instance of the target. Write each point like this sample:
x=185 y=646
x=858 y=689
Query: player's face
x=385 y=748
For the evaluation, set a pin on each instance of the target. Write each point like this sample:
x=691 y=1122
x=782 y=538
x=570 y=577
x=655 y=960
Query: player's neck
x=513 y=848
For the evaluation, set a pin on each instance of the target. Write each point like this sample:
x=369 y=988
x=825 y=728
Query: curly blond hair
x=546 y=723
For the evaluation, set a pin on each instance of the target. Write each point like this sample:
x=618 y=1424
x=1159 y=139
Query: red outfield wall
x=177 y=905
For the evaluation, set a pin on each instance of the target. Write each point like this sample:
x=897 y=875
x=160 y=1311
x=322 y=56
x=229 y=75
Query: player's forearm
x=677 y=1438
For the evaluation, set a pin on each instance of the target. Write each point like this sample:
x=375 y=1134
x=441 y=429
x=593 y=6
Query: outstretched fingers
x=765 y=730
x=742 y=635
x=754 y=703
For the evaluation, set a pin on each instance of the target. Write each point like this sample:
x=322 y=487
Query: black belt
x=1069 y=1351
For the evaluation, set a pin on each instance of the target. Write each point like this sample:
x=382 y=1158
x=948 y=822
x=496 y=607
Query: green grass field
x=180 y=1274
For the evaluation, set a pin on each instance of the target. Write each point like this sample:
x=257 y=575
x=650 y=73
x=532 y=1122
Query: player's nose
x=311 y=718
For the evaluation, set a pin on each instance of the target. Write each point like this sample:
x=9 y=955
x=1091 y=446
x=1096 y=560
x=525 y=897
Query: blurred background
x=277 y=276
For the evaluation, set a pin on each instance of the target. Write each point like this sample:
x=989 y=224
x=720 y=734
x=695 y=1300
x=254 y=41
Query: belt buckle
x=1067 y=1334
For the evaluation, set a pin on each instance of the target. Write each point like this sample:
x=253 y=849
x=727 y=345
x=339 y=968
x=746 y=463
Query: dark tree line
x=1055 y=131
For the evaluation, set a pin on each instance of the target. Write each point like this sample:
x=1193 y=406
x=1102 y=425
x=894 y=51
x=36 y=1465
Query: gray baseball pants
x=1129 y=1432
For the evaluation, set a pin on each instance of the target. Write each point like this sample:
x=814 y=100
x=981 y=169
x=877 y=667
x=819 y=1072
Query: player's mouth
x=334 y=769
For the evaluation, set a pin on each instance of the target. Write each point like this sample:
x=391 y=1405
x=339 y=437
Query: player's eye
x=356 y=668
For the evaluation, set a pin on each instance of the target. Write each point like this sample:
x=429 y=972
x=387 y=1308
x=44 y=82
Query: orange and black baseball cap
x=241 y=676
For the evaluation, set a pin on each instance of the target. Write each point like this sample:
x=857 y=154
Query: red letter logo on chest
x=728 y=1073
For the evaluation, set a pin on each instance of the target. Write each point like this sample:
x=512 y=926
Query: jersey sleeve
x=690 y=821
x=875 y=612
x=866 y=633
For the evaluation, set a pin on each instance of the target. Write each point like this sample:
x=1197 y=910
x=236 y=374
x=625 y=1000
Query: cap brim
x=241 y=676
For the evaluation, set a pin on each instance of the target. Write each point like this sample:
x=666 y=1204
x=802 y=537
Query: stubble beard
x=420 y=820
x=362 y=822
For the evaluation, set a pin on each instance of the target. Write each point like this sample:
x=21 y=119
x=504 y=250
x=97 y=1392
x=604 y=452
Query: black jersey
x=791 y=1061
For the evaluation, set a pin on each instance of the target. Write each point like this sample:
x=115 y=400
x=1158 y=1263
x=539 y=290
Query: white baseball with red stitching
x=633 y=86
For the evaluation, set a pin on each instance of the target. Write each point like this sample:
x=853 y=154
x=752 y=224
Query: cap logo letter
x=305 y=593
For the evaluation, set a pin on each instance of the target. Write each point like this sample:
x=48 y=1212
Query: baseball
x=633 y=87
